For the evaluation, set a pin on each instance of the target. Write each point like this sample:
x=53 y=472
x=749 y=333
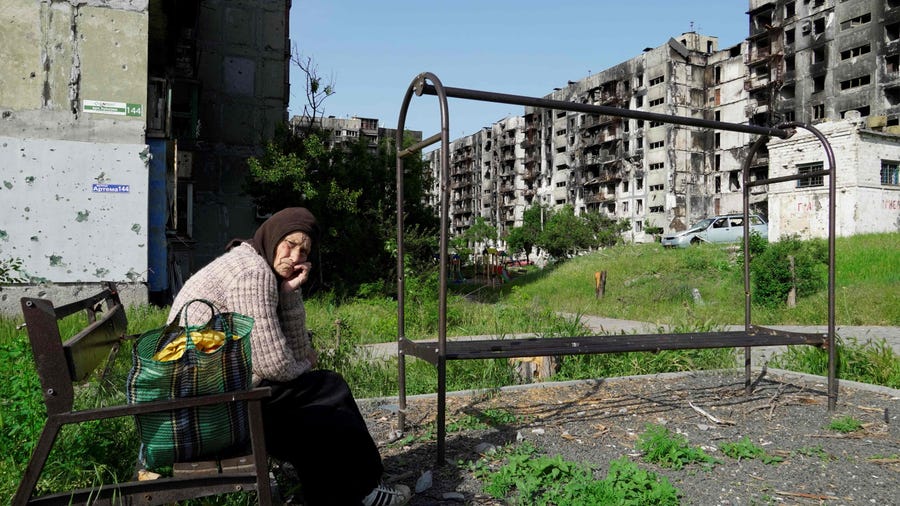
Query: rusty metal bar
x=440 y=351
x=415 y=148
x=583 y=345
x=503 y=98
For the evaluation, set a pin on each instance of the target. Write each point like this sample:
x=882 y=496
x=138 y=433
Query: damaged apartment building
x=126 y=125
x=658 y=176
x=810 y=61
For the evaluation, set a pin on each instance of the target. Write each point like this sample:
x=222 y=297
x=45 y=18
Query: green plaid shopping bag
x=204 y=432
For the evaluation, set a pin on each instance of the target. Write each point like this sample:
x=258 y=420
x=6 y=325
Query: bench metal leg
x=36 y=464
x=257 y=436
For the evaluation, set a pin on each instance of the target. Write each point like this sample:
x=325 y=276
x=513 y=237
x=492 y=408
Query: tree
x=607 y=231
x=317 y=89
x=523 y=239
x=564 y=233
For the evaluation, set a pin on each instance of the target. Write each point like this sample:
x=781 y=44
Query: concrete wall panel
x=20 y=55
x=113 y=56
x=60 y=224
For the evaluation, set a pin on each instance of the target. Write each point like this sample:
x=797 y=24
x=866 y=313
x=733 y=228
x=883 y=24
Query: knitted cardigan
x=240 y=281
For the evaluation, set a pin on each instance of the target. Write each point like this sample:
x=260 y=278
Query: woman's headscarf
x=280 y=224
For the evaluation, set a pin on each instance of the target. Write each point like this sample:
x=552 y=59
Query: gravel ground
x=599 y=421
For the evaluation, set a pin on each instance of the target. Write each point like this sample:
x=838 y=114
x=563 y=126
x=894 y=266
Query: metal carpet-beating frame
x=439 y=352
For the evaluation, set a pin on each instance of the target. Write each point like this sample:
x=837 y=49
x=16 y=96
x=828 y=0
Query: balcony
x=597 y=198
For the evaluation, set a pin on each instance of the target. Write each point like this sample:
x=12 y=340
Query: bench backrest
x=61 y=364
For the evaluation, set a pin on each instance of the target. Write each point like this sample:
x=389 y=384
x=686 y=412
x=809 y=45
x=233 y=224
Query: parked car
x=718 y=229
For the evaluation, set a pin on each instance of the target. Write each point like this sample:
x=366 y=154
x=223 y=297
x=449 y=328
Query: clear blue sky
x=372 y=50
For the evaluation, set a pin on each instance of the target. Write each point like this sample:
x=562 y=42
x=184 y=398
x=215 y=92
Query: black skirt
x=313 y=422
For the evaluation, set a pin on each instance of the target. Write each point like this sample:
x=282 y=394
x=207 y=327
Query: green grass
x=845 y=425
x=519 y=474
x=746 y=449
x=661 y=446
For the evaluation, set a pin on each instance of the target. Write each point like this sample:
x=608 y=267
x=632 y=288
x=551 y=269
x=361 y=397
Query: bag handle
x=182 y=313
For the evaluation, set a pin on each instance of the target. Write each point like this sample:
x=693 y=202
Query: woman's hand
x=298 y=277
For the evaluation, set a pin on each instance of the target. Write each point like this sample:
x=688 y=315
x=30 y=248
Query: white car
x=718 y=229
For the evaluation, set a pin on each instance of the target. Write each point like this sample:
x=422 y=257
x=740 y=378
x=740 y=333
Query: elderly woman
x=311 y=419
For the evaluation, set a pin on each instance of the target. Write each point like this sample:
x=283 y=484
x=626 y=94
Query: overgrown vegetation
x=788 y=265
x=872 y=362
x=561 y=233
x=11 y=271
x=669 y=449
x=845 y=424
x=520 y=475
x=746 y=449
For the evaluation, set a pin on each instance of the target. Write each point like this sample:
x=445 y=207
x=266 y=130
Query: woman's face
x=290 y=253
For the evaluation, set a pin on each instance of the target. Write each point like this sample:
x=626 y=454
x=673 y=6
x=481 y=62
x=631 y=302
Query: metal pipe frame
x=439 y=352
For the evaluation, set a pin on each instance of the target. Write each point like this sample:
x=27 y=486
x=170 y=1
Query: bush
x=772 y=277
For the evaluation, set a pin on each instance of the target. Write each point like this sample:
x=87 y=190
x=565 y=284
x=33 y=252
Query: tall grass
x=648 y=283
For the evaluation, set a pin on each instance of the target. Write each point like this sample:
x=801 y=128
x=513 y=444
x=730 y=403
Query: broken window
x=624 y=186
x=819 y=26
x=657 y=144
x=788 y=116
x=809 y=182
x=734 y=181
x=892 y=95
x=819 y=55
x=638 y=226
x=790 y=10
x=638 y=80
x=640 y=183
x=639 y=206
x=857 y=21
x=657 y=209
x=789 y=36
x=856 y=51
x=818 y=84
x=890 y=172
x=639 y=101
x=787 y=92
x=863 y=111
x=856 y=82
x=657 y=101
x=625 y=207
x=718 y=74
x=718 y=184
x=656 y=80
x=819 y=111
x=654 y=124
x=656 y=187
x=892 y=32
x=656 y=166
x=892 y=63
x=718 y=162
x=789 y=63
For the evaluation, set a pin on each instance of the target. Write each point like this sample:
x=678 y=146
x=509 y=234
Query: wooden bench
x=62 y=365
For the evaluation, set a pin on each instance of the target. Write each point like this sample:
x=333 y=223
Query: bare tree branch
x=317 y=88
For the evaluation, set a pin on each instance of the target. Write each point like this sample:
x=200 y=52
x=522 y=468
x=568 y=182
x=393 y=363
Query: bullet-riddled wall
x=73 y=161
